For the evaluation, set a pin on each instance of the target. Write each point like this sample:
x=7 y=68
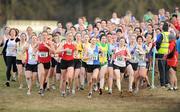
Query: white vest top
x=11 y=48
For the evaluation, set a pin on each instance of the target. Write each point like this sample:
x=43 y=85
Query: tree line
x=70 y=10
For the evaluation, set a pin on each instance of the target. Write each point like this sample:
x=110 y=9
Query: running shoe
x=68 y=91
x=28 y=92
x=100 y=91
x=53 y=87
x=167 y=85
x=170 y=89
x=136 y=91
x=14 y=79
x=63 y=94
x=73 y=92
x=7 y=84
x=90 y=95
x=21 y=86
x=82 y=87
x=95 y=87
x=175 y=88
x=110 y=91
x=42 y=92
x=130 y=90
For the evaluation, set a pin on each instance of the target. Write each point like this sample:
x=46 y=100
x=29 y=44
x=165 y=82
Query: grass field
x=147 y=100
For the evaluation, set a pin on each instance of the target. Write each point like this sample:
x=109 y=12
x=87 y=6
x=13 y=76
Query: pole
x=153 y=67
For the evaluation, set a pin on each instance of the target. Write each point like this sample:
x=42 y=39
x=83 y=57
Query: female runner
x=121 y=55
x=77 y=62
x=44 y=59
x=67 y=63
x=93 y=64
x=103 y=47
x=31 y=63
x=20 y=58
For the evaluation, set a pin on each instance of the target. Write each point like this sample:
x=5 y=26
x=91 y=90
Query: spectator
x=162 y=44
x=178 y=43
x=172 y=61
x=115 y=18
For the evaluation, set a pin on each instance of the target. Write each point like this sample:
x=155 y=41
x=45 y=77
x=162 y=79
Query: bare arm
x=25 y=48
x=1 y=41
x=128 y=54
x=85 y=56
x=60 y=49
x=50 y=47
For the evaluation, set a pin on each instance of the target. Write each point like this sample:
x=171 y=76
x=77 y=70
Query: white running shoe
x=53 y=87
x=21 y=86
x=14 y=79
x=73 y=92
x=110 y=91
x=130 y=90
x=28 y=92
x=95 y=88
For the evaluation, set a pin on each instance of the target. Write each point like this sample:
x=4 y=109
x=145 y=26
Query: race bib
x=95 y=56
x=120 y=62
x=19 y=50
x=134 y=58
x=141 y=58
x=103 y=54
x=120 y=59
x=69 y=52
x=32 y=57
x=43 y=54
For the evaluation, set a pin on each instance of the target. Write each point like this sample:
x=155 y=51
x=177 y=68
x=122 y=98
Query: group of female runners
x=97 y=56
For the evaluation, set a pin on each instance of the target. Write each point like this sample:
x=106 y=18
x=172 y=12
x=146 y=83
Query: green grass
x=147 y=100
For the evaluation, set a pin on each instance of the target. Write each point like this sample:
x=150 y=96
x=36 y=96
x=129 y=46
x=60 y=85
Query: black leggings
x=10 y=61
x=4 y=57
